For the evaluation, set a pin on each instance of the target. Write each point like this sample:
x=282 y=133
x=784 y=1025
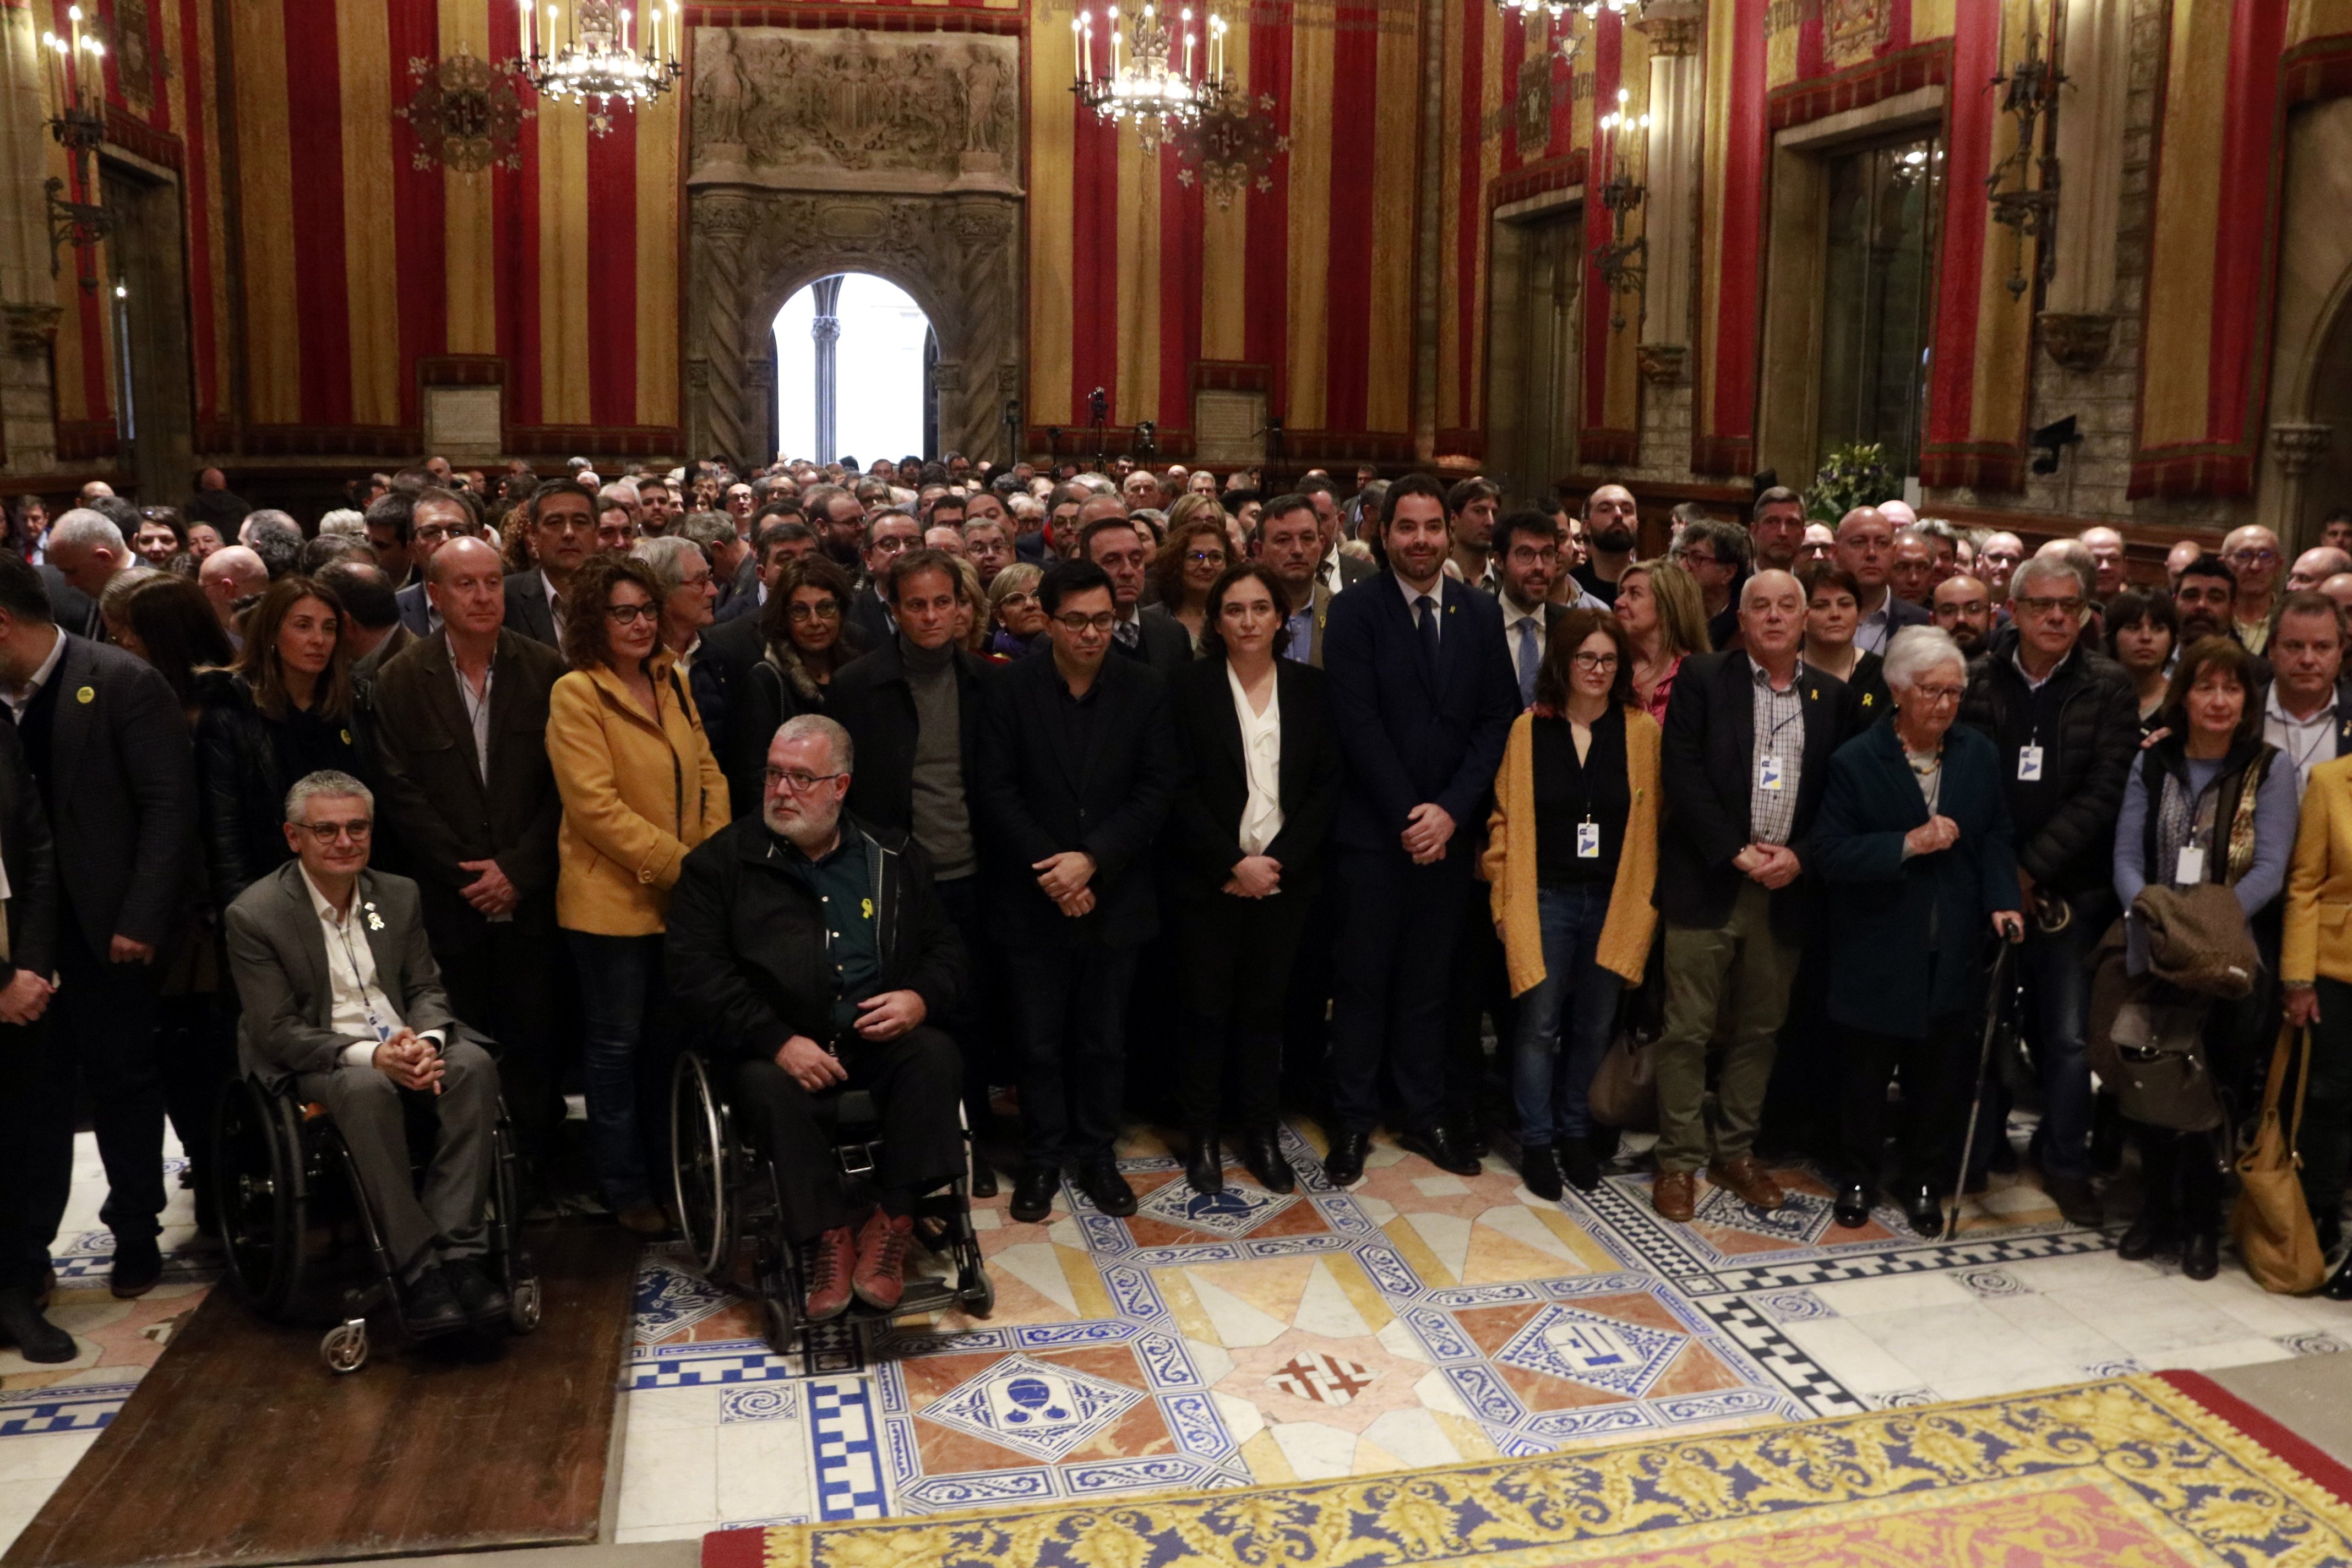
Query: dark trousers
x=2326 y=1138
x=1307 y=1001
x=102 y=1033
x=1801 y=1101
x=1480 y=987
x=1072 y=993
x=502 y=982
x=24 y=1059
x=1398 y=924
x=445 y=1221
x=1233 y=957
x=2056 y=973
x=627 y=1048
x=196 y=1052
x=914 y=1081
x=978 y=1023
x=1936 y=1069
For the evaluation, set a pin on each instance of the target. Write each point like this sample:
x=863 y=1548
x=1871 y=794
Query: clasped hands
x=1063 y=878
x=1428 y=828
x=884 y=1016
x=1773 y=866
x=410 y=1060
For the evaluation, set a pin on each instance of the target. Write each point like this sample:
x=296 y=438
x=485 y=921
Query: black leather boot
x=1204 y=1167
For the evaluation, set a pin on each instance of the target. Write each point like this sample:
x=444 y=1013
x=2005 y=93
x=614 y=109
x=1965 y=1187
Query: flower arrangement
x=1848 y=477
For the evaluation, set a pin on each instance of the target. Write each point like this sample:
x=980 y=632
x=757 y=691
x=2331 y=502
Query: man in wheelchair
x=807 y=950
x=342 y=999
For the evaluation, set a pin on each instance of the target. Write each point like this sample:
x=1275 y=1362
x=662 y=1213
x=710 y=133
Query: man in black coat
x=1423 y=693
x=458 y=721
x=1744 y=761
x=108 y=744
x=888 y=535
x=1123 y=550
x=563 y=531
x=810 y=954
x=913 y=707
x=1076 y=766
x=2067 y=726
x=24 y=994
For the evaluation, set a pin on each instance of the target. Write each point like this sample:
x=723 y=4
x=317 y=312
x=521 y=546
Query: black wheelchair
x=727 y=1196
x=292 y=1211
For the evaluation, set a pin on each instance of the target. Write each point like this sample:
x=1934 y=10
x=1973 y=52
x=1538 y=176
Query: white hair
x=666 y=553
x=844 y=754
x=326 y=782
x=83 y=526
x=345 y=521
x=1914 y=651
x=2033 y=567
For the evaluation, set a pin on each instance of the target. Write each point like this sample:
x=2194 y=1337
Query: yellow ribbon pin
x=87 y=694
x=867 y=906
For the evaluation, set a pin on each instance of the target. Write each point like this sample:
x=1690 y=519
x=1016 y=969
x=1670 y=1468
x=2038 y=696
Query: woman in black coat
x=284 y=711
x=1245 y=846
x=1914 y=838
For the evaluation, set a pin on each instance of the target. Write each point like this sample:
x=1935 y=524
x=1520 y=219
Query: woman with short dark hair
x=283 y=710
x=1571 y=858
x=640 y=789
x=1244 y=857
x=2143 y=632
x=808 y=638
x=2208 y=803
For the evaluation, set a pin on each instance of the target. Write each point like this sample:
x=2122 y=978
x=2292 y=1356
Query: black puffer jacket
x=246 y=762
x=2086 y=721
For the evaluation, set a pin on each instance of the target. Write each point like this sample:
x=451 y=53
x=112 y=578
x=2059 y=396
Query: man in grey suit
x=562 y=530
x=1289 y=540
x=341 y=997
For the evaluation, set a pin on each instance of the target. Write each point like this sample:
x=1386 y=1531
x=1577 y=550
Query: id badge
x=2192 y=870
x=2029 y=764
x=1769 y=774
x=1588 y=841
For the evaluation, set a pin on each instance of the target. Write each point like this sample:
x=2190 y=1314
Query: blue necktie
x=1528 y=659
x=1426 y=608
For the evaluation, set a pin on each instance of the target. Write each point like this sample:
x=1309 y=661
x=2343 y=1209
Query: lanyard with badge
x=2029 y=760
x=1588 y=832
x=367 y=1003
x=1771 y=773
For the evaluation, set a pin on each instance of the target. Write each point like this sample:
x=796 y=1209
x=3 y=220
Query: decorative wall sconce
x=73 y=87
x=1621 y=263
x=2029 y=92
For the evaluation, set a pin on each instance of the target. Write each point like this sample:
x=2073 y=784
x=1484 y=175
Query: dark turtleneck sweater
x=942 y=819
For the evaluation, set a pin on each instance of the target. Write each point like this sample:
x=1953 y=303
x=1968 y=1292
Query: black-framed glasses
x=800 y=781
x=1593 y=661
x=626 y=615
x=1074 y=624
x=2038 y=606
x=357 y=830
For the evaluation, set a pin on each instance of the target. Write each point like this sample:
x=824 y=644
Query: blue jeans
x=1564 y=1021
x=625 y=1052
x=2057 y=974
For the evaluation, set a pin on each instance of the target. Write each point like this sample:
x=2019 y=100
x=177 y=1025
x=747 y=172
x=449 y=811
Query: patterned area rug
x=2148 y=1472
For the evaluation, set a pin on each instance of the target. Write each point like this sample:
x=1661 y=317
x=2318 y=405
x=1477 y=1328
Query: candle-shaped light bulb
x=1624 y=93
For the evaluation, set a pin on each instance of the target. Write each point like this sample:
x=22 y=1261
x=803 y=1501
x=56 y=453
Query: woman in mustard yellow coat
x=2316 y=980
x=1573 y=854
x=640 y=788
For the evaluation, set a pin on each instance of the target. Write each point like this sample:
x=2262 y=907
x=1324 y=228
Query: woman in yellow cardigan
x=640 y=788
x=1572 y=853
x=2315 y=983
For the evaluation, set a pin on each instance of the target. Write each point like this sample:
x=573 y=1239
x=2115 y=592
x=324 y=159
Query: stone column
x=2077 y=322
x=825 y=329
x=1670 y=223
x=717 y=412
x=29 y=299
x=2296 y=449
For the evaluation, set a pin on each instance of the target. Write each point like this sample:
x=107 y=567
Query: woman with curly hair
x=806 y=623
x=1194 y=556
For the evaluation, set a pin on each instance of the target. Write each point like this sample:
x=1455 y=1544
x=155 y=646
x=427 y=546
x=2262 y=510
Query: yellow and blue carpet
x=2151 y=1471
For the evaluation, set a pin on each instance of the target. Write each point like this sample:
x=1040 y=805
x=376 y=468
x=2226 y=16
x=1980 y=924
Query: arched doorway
x=856 y=361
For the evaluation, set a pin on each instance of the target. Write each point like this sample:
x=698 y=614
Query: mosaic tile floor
x=1419 y=1318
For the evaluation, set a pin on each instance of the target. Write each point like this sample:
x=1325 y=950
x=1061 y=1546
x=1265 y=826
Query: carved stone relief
x=853 y=111
x=815 y=152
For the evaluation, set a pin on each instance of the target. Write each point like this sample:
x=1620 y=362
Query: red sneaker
x=829 y=1274
x=882 y=1259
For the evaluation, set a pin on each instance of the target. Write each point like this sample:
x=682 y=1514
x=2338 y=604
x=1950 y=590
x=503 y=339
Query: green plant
x=1848 y=477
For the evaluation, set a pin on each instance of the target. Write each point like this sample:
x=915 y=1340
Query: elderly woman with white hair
x=1914 y=835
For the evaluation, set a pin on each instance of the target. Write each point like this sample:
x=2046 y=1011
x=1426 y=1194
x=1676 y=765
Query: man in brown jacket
x=459 y=723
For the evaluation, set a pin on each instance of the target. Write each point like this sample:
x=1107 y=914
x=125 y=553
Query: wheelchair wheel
x=782 y=1324
x=344 y=1348
x=523 y=1305
x=698 y=1166
x=259 y=1194
x=978 y=1293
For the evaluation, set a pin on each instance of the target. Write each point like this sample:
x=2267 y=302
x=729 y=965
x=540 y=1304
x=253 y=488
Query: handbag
x=1624 y=1092
x=2271 y=1223
x=2161 y=1078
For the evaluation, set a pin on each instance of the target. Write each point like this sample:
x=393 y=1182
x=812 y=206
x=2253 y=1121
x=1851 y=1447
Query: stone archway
x=2307 y=449
x=838 y=150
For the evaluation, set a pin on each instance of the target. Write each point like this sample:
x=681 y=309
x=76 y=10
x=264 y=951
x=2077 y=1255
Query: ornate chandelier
x=1163 y=74
x=593 y=59
x=1559 y=10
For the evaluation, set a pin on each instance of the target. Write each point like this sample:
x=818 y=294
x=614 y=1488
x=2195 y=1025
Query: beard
x=1616 y=539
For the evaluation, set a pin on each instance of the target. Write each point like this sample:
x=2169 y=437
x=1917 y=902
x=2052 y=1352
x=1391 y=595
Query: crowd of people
x=1135 y=793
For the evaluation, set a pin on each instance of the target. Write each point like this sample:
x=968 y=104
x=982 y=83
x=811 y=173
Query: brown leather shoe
x=1674 y=1194
x=831 y=1274
x=880 y=1277
x=1749 y=1182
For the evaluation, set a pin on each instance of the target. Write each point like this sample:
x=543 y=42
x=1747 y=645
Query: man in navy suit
x=1423 y=691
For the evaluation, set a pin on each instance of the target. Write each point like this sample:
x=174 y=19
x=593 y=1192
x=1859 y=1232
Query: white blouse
x=1262 y=759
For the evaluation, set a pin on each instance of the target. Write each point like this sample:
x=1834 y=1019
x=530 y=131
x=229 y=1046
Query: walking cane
x=1993 y=1006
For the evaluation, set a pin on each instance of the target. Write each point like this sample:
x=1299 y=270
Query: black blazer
x=871 y=699
x=527 y=610
x=31 y=862
x=1164 y=644
x=122 y=795
x=870 y=617
x=1410 y=735
x=1204 y=841
x=1036 y=799
x=70 y=609
x=1705 y=774
x=246 y=762
x=416 y=611
x=748 y=948
x=438 y=804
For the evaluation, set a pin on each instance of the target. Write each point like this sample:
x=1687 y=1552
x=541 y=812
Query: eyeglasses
x=800 y=781
x=627 y=614
x=1017 y=600
x=1593 y=661
x=436 y=533
x=1695 y=557
x=357 y=832
x=2038 y=606
x=2252 y=558
x=1206 y=558
x=830 y=610
x=1074 y=624
x=1939 y=693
